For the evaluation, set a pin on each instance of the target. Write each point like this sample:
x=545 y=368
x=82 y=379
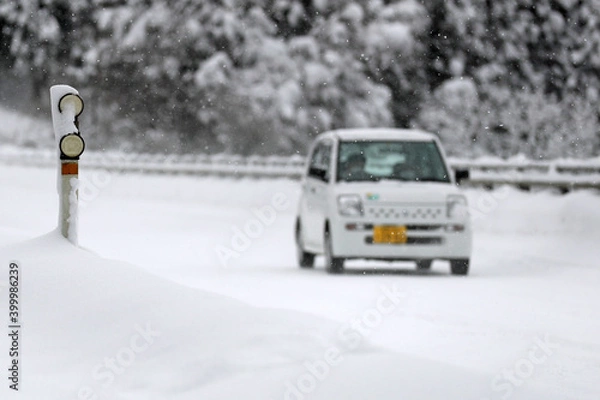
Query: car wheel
x=459 y=266
x=305 y=259
x=333 y=265
x=424 y=265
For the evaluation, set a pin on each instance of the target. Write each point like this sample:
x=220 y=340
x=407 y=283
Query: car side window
x=320 y=161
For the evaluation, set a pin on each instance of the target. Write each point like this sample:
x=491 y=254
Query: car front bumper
x=442 y=240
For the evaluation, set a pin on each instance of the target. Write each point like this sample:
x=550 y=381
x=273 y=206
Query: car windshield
x=390 y=160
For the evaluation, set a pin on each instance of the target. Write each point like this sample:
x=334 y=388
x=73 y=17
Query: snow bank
x=509 y=210
x=79 y=310
x=100 y=329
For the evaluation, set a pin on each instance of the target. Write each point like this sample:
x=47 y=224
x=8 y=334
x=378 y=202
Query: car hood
x=398 y=191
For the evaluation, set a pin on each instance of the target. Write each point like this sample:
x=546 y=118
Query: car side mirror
x=319 y=173
x=461 y=175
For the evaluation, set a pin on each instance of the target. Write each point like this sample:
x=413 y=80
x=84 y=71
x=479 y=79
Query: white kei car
x=383 y=194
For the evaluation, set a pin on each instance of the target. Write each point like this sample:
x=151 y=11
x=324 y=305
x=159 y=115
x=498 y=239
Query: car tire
x=424 y=265
x=304 y=258
x=333 y=265
x=459 y=266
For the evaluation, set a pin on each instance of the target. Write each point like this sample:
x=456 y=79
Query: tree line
x=266 y=76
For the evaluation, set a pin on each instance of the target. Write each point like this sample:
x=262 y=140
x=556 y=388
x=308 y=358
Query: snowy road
x=527 y=316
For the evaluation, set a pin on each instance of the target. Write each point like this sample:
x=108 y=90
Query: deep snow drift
x=94 y=328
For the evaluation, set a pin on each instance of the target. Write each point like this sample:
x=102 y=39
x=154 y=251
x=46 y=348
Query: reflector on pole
x=66 y=106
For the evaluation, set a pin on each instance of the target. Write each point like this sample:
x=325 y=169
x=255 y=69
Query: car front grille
x=428 y=212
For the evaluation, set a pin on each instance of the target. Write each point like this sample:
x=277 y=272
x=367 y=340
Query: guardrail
x=565 y=175
x=192 y=164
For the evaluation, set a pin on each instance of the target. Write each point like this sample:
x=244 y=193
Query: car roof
x=378 y=134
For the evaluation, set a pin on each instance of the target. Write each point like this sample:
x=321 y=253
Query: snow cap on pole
x=66 y=106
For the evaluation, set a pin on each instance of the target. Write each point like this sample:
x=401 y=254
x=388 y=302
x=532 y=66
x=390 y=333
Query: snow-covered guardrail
x=562 y=174
x=192 y=164
x=566 y=174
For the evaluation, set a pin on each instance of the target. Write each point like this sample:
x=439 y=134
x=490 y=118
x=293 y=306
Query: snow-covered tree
x=47 y=39
x=267 y=75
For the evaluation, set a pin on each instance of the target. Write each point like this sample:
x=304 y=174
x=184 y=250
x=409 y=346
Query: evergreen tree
x=262 y=76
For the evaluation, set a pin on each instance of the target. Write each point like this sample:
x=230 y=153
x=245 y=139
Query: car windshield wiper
x=390 y=179
x=369 y=179
x=432 y=179
x=394 y=179
x=417 y=179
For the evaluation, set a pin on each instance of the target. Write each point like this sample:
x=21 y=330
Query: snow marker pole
x=66 y=108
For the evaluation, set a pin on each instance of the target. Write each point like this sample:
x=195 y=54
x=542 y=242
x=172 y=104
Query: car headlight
x=350 y=205
x=456 y=206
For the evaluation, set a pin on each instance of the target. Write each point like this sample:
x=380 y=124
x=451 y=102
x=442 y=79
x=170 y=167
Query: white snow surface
x=147 y=291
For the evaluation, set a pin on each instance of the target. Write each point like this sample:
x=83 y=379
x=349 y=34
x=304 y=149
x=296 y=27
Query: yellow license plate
x=389 y=234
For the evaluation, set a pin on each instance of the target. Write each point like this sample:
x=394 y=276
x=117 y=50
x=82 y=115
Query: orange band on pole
x=71 y=168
